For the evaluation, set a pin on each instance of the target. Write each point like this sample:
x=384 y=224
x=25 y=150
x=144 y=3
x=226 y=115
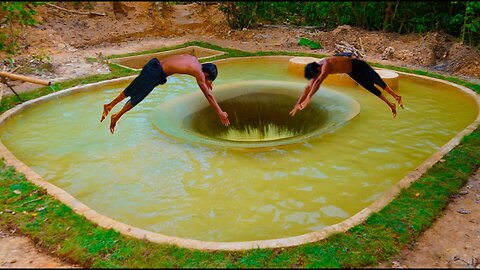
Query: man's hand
x=224 y=118
x=305 y=103
x=295 y=109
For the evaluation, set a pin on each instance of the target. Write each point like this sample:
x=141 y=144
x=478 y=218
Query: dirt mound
x=122 y=21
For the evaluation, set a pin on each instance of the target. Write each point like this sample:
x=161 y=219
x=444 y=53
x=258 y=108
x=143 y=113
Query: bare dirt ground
x=18 y=251
x=68 y=38
x=454 y=239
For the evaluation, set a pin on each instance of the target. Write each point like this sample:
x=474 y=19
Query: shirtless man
x=357 y=69
x=155 y=72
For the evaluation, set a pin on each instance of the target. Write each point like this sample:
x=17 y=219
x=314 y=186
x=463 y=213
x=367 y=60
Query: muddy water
x=143 y=178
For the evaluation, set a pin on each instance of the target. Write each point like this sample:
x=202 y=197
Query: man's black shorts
x=152 y=74
x=364 y=74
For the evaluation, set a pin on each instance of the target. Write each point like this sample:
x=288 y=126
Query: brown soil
x=453 y=240
x=18 y=251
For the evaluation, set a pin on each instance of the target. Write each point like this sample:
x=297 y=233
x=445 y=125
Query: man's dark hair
x=211 y=70
x=311 y=70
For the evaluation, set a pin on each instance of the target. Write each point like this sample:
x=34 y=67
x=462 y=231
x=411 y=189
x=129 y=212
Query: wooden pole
x=11 y=88
x=23 y=78
x=75 y=11
x=2 y=87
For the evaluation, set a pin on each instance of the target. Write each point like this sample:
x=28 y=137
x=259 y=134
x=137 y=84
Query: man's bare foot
x=399 y=101
x=113 y=123
x=106 y=110
x=393 y=107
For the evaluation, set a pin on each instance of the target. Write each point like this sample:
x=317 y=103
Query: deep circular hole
x=258 y=112
x=257 y=117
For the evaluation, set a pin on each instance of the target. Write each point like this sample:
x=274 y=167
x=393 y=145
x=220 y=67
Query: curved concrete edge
x=296 y=65
x=390 y=77
x=108 y=223
x=214 y=52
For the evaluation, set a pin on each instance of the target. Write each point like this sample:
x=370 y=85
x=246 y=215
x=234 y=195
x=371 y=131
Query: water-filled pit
x=259 y=115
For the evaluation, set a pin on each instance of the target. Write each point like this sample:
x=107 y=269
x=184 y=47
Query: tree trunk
x=388 y=15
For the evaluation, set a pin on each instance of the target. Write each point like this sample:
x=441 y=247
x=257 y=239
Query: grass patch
x=310 y=43
x=59 y=230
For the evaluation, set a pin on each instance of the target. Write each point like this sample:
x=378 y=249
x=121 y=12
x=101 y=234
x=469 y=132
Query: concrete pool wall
x=107 y=222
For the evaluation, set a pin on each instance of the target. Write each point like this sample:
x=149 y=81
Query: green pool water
x=145 y=178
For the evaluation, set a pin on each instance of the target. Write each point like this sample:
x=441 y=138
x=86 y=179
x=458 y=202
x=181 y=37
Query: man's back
x=337 y=64
x=181 y=64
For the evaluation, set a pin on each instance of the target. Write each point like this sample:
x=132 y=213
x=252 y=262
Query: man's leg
x=367 y=77
x=394 y=95
x=392 y=106
x=115 y=117
x=380 y=82
x=109 y=106
x=370 y=86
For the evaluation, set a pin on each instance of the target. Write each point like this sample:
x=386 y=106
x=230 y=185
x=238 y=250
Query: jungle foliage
x=457 y=18
x=13 y=17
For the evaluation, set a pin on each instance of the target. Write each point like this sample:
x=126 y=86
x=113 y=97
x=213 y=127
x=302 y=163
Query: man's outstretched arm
x=315 y=86
x=297 y=105
x=211 y=99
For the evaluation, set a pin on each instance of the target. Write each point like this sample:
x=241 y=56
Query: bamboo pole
x=23 y=78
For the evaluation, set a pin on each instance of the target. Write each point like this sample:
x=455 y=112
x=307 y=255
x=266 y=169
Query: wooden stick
x=34 y=200
x=23 y=78
x=2 y=87
x=11 y=88
x=76 y=12
x=361 y=45
x=350 y=48
x=13 y=70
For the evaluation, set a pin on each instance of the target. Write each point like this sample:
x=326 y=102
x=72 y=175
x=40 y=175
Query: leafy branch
x=13 y=15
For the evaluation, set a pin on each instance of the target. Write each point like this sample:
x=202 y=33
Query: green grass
x=58 y=230
x=310 y=43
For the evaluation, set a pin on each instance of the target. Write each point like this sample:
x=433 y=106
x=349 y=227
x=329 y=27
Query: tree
x=471 y=22
x=13 y=15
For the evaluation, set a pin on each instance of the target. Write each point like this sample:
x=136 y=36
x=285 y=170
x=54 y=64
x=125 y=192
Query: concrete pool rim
x=118 y=60
x=108 y=223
